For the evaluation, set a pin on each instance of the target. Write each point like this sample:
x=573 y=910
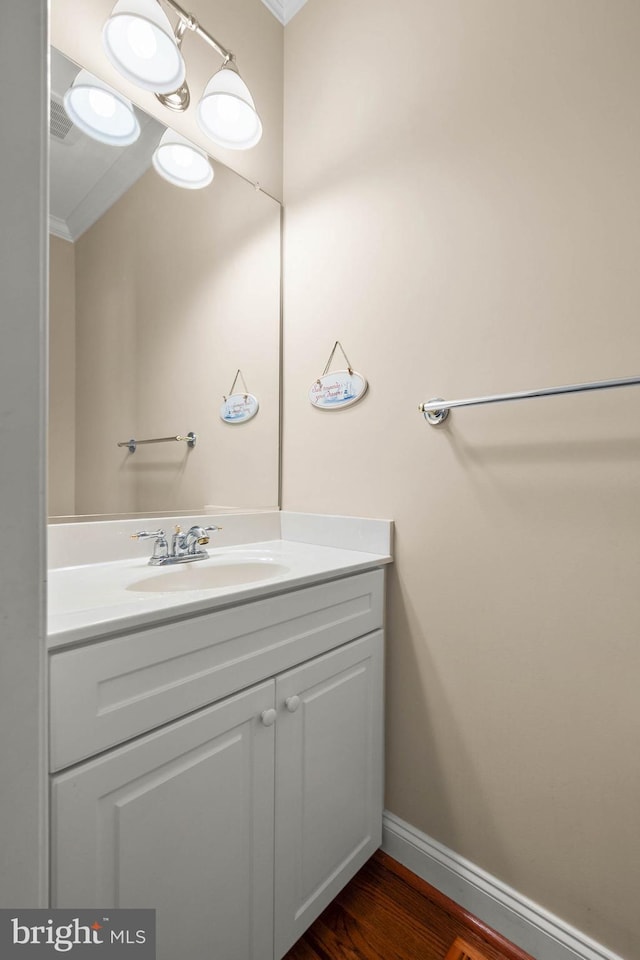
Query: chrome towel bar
x=437 y=410
x=190 y=440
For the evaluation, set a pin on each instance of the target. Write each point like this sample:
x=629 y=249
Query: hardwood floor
x=387 y=913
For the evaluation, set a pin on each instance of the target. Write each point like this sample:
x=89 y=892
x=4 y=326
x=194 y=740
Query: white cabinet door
x=328 y=780
x=182 y=821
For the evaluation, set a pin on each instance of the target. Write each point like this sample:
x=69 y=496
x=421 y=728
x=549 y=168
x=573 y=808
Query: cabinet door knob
x=292 y=703
x=268 y=717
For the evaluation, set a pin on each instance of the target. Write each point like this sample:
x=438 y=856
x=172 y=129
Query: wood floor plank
x=386 y=913
x=369 y=940
x=378 y=896
x=374 y=908
x=466 y=921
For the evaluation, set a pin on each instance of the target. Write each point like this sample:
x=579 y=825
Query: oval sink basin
x=203 y=576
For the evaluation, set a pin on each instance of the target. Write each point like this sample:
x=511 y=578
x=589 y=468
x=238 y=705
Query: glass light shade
x=182 y=163
x=227 y=113
x=139 y=42
x=100 y=112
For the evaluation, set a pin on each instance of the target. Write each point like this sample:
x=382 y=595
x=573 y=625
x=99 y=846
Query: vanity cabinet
x=241 y=821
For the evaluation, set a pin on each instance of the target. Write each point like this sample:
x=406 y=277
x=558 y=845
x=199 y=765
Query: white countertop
x=99 y=599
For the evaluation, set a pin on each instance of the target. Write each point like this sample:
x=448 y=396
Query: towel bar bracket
x=435 y=416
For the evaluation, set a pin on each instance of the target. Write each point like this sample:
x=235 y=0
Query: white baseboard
x=525 y=923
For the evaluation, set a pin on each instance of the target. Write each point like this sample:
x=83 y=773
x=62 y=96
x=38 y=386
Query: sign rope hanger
x=238 y=407
x=340 y=388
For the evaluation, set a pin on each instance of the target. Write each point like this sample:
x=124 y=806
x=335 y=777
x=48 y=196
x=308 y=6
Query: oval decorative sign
x=337 y=389
x=238 y=408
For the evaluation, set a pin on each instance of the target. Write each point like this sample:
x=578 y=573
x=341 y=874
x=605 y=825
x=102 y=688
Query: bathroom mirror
x=158 y=296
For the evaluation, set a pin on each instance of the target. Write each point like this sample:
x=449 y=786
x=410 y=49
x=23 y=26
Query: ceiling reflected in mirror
x=86 y=176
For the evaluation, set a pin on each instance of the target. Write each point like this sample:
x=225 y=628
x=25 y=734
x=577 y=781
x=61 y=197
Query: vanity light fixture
x=100 y=112
x=140 y=43
x=182 y=163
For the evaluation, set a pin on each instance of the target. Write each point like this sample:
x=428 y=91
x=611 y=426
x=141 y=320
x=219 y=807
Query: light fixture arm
x=188 y=22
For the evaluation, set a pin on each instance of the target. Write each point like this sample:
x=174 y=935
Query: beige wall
x=245 y=27
x=175 y=290
x=61 y=493
x=462 y=212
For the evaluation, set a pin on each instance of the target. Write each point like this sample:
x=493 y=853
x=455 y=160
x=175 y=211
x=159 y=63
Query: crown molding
x=284 y=10
x=59 y=228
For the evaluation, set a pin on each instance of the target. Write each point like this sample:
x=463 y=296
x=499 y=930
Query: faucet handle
x=213 y=528
x=160 y=547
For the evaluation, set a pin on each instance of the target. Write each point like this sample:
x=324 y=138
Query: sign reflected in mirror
x=156 y=293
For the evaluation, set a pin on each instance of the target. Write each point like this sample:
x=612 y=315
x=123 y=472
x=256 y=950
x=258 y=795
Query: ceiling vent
x=61 y=127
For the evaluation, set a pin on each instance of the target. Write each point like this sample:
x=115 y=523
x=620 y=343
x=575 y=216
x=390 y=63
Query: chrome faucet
x=195 y=537
x=184 y=548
